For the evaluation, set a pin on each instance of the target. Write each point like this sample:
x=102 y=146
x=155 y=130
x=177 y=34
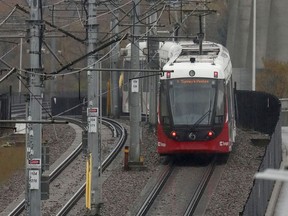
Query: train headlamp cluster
x=192 y=135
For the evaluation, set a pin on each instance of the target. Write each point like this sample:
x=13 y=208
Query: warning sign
x=93 y=111
x=34 y=163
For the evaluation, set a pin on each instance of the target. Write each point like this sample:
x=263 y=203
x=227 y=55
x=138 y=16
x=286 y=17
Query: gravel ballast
x=58 y=138
x=119 y=194
x=121 y=189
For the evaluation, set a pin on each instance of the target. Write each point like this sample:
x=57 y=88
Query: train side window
x=230 y=99
x=219 y=117
x=163 y=101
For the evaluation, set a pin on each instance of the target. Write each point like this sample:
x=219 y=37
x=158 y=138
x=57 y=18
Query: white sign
x=34 y=179
x=135 y=85
x=92 y=124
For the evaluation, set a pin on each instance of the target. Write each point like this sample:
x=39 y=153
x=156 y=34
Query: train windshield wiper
x=204 y=115
x=201 y=118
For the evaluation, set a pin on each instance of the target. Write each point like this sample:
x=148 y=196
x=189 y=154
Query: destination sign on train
x=193 y=81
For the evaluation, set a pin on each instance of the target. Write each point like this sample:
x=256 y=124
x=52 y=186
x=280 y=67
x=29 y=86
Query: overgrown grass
x=11 y=159
x=274 y=78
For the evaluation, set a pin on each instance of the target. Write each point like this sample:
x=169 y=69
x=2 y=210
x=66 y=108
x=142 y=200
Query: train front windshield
x=192 y=101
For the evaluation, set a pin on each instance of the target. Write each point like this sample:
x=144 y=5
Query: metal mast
x=153 y=46
x=34 y=140
x=93 y=157
x=115 y=109
x=134 y=90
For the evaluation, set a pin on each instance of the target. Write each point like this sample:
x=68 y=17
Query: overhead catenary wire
x=69 y=73
x=163 y=8
x=152 y=26
x=73 y=72
x=143 y=36
x=112 y=89
x=9 y=15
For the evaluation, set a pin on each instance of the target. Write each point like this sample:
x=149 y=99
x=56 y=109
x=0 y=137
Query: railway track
x=81 y=191
x=116 y=130
x=178 y=189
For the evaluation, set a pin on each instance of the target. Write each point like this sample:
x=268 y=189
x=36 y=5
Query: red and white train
x=196 y=100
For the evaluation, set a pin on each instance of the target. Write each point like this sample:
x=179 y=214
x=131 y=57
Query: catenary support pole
x=254 y=48
x=115 y=109
x=134 y=91
x=33 y=149
x=153 y=46
x=52 y=83
x=93 y=111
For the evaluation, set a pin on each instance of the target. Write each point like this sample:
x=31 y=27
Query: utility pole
x=115 y=111
x=204 y=21
x=134 y=91
x=93 y=183
x=34 y=140
x=254 y=48
x=153 y=46
x=51 y=82
x=20 y=66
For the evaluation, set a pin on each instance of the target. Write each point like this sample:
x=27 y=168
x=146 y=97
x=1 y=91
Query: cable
x=83 y=69
x=10 y=14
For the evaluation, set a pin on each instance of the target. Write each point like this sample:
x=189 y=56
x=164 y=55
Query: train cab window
x=163 y=105
x=219 y=109
x=192 y=101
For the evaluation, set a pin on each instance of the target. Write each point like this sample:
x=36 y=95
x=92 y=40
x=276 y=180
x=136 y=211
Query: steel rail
x=156 y=190
x=81 y=191
x=143 y=210
x=21 y=206
x=200 y=189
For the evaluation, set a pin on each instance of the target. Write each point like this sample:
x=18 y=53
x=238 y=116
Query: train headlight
x=173 y=134
x=210 y=134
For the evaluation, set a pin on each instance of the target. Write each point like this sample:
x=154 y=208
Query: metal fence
x=257 y=110
x=261 y=111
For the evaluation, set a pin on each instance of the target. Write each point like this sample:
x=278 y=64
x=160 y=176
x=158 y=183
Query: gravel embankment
x=233 y=189
x=58 y=138
x=122 y=188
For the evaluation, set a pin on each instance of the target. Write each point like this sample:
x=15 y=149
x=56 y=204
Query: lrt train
x=196 y=99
